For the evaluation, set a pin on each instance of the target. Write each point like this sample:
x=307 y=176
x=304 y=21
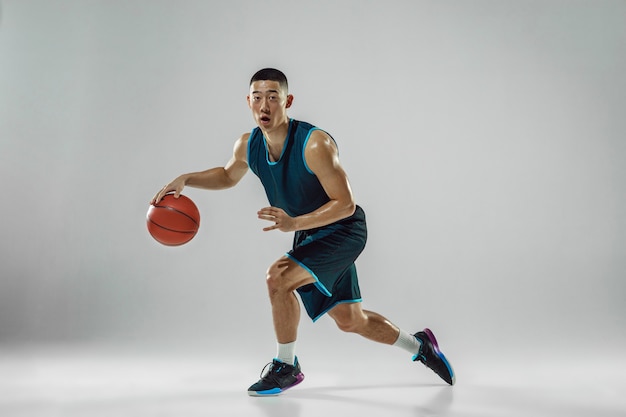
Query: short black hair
x=271 y=74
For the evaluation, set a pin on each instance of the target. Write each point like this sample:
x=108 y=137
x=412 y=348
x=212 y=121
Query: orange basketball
x=173 y=221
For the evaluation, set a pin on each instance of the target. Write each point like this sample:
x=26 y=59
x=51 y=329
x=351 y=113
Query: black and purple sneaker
x=276 y=377
x=432 y=357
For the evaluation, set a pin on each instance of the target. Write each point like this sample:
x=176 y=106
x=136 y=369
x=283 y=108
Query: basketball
x=173 y=221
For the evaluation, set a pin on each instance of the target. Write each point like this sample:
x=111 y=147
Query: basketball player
x=309 y=194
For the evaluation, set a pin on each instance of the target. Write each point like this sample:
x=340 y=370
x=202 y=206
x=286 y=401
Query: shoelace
x=270 y=370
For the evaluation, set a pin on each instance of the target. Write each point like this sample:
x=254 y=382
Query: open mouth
x=265 y=119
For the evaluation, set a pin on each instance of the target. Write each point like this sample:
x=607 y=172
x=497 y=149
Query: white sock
x=286 y=352
x=408 y=342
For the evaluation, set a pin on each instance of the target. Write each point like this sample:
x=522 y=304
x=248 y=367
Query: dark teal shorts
x=328 y=254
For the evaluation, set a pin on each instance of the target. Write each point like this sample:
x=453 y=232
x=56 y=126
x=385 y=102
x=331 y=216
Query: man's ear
x=289 y=101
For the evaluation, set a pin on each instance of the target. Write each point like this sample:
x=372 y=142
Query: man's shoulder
x=308 y=132
x=253 y=135
x=302 y=125
x=243 y=139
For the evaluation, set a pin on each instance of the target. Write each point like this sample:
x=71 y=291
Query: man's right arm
x=217 y=178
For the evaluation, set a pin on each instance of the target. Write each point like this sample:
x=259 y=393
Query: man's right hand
x=176 y=186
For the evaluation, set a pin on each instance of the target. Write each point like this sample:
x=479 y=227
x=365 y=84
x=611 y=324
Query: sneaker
x=431 y=356
x=276 y=377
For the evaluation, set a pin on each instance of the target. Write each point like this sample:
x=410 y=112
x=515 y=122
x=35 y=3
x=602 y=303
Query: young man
x=309 y=194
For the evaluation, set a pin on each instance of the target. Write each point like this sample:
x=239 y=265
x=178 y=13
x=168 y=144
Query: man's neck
x=277 y=135
x=275 y=140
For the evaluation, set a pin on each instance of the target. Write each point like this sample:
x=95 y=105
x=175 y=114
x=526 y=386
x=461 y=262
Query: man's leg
x=422 y=345
x=350 y=317
x=283 y=278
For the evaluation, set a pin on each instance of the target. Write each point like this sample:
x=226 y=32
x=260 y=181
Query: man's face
x=269 y=103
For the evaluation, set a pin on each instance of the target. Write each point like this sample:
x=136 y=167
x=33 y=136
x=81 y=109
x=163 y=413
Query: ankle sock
x=408 y=342
x=286 y=352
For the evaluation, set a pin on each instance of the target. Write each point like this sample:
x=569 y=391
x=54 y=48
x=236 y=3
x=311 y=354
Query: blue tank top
x=289 y=183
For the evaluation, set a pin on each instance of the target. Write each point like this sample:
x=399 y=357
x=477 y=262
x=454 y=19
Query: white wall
x=485 y=140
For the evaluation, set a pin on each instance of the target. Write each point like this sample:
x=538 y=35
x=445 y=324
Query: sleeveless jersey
x=289 y=183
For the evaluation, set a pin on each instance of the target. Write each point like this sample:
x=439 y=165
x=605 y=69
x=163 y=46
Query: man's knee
x=275 y=278
x=285 y=275
x=347 y=325
x=348 y=320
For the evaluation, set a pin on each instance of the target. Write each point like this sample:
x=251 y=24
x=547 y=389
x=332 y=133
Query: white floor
x=103 y=382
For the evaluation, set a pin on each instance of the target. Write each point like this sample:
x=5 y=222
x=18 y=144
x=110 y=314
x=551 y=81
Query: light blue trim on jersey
x=248 y=147
x=326 y=231
x=306 y=141
x=267 y=149
x=357 y=300
x=317 y=283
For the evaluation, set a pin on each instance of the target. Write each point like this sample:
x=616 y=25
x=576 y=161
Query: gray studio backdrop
x=485 y=140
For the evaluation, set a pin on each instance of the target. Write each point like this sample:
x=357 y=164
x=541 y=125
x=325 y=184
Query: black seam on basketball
x=172 y=230
x=178 y=211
